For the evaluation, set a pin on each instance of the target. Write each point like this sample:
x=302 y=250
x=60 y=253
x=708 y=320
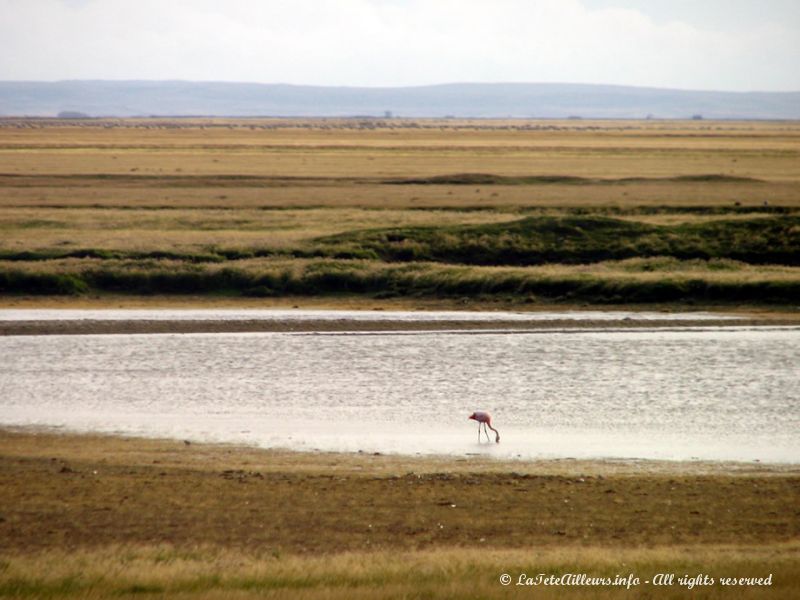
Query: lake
x=683 y=393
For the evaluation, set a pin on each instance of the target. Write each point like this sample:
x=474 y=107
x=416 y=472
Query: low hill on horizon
x=459 y=100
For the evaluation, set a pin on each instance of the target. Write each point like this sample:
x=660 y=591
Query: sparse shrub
x=52 y=284
x=260 y=291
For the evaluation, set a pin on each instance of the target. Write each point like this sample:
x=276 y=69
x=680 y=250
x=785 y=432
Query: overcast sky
x=735 y=45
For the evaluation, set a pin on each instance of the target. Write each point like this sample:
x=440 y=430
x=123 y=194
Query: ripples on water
x=728 y=393
x=338 y=315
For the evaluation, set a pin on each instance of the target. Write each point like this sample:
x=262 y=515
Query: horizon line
x=399 y=87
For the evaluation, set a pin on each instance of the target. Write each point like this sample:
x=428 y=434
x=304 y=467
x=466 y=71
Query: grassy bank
x=635 y=281
x=581 y=240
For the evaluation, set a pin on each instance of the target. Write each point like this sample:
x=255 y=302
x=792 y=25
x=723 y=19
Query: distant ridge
x=462 y=100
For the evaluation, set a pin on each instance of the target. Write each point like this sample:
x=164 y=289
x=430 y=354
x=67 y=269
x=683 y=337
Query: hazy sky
x=691 y=44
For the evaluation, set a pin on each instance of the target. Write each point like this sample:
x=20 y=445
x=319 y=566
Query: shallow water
x=337 y=315
x=707 y=393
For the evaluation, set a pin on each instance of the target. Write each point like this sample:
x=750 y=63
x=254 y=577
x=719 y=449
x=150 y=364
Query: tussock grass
x=638 y=280
x=582 y=239
x=208 y=572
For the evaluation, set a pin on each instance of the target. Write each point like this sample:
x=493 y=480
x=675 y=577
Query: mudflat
x=88 y=327
x=715 y=317
x=203 y=520
x=82 y=491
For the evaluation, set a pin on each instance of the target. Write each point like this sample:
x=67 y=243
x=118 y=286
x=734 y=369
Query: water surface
x=711 y=393
x=60 y=314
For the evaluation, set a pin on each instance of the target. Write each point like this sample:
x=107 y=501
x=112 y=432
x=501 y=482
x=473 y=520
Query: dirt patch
x=88 y=491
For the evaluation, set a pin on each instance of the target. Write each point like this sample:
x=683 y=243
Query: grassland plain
x=99 y=517
x=390 y=214
x=520 y=212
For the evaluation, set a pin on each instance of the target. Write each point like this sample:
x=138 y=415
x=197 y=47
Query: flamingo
x=484 y=418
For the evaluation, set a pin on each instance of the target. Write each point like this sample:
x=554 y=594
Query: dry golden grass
x=369 y=161
x=207 y=572
x=589 y=149
x=184 y=229
x=92 y=193
x=342 y=163
x=404 y=162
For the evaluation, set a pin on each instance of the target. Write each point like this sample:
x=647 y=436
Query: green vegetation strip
x=554 y=258
x=658 y=280
x=578 y=240
x=535 y=240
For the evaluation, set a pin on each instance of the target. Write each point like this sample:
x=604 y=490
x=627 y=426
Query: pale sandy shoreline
x=43 y=441
x=90 y=327
x=727 y=316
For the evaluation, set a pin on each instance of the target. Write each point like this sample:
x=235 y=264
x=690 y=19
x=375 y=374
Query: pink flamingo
x=484 y=418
